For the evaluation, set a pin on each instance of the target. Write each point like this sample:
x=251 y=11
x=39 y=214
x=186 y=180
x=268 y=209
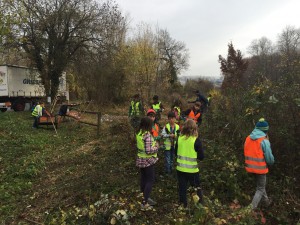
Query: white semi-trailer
x=21 y=85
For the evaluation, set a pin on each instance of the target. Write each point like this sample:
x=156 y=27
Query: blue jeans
x=36 y=122
x=169 y=156
x=260 y=194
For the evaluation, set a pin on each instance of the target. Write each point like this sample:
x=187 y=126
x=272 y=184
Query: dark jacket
x=203 y=100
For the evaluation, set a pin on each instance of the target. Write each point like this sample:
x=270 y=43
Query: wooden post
x=98 y=124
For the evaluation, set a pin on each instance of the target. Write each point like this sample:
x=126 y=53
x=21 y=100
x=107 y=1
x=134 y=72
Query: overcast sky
x=207 y=26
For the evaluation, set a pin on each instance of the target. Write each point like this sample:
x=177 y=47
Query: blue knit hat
x=262 y=125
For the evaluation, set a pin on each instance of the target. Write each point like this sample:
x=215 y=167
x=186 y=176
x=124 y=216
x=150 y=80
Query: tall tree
x=263 y=60
x=3 y=33
x=99 y=71
x=261 y=47
x=232 y=68
x=289 y=41
x=289 y=48
x=2 y=27
x=174 y=55
x=144 y=61
x=52 y=31
x=156 y=59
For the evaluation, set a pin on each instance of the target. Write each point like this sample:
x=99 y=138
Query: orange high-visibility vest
x=155 y=130
x=193 y=116
x=254 y=156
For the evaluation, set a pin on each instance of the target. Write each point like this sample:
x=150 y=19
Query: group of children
x=183 y=143
x=180 y=141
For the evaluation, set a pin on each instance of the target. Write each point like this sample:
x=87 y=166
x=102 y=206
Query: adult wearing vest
x=169 y=134
x=37 y=113
x=258 y=154
x=194 y=113
x=136 y=111
x=188 y=150
x=147 y=149
x=155 y=128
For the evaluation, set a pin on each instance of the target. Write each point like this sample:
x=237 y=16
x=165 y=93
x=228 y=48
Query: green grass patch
x=76 y=177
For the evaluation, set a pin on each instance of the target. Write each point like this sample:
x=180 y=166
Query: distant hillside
x=216 y=80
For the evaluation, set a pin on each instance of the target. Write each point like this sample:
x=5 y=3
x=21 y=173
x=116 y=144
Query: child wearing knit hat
x=262 y=125
x=258 y=155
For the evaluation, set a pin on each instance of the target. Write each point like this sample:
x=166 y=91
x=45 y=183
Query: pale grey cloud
x=207 y=26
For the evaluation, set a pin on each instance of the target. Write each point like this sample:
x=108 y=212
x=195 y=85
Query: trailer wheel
x=3 y=109
x=19 y=106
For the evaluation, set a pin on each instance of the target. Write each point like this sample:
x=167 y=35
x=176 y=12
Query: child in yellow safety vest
x=169 y=134
x=37 y=113
x=136 y=111
x=158 y=107
x=188 y=150
x=146 y=158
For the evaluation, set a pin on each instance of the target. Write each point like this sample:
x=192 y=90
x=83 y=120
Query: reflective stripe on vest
x=254 y=156
x=193 y=116
x=156 y=106
x=135 y=109
x=187 y=158
x=186 y=155
x=168 y=142
x=141 y=146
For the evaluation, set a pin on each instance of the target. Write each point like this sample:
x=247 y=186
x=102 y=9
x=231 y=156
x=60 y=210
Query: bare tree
x=289 y=41
x=262 y=46
x=263 y=60
x=289 y=47
x=52 y=31
x=174 y=55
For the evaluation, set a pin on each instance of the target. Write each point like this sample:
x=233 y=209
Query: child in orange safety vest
x=194 y=113
x=155 y=128
x=258 y=153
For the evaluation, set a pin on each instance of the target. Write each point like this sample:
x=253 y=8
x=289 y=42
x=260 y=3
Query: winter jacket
x=265 y=145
